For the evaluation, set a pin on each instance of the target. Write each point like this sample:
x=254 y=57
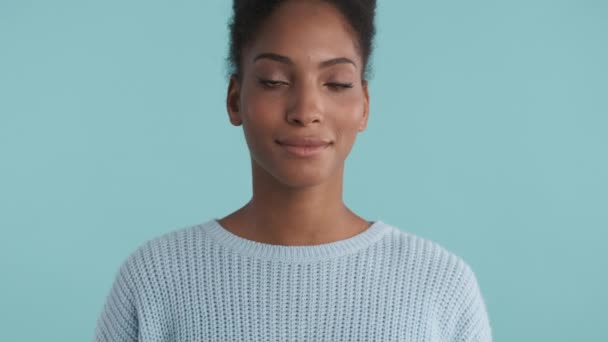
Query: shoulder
x=429 y=254
x=445 y=275
x=174 y=240
x=456 y=297
x=160 y=254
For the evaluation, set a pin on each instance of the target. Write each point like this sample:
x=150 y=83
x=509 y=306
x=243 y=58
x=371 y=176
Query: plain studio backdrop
x=488 y=134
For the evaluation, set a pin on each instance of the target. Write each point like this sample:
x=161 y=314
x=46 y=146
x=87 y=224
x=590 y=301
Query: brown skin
x=298 y=200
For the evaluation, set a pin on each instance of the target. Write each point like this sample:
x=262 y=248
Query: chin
x=295 y=174
x=302 y=177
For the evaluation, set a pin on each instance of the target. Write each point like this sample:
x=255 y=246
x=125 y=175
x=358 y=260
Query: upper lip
x=304 y=141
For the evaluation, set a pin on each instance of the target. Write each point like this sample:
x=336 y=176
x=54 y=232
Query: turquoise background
x=487 y=134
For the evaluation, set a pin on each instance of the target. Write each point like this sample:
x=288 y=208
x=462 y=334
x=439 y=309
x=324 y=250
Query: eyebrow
x=285 y=60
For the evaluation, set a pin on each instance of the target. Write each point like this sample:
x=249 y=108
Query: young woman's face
x=301 y=85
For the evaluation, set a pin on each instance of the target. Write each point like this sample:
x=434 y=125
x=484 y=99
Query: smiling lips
x=304 y=147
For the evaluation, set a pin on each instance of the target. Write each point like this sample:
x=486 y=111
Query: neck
x=283 y=215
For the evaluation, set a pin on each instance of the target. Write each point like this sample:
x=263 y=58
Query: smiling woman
x=295 y=263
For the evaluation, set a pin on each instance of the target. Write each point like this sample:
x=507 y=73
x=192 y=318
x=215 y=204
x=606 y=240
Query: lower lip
x=305 y=151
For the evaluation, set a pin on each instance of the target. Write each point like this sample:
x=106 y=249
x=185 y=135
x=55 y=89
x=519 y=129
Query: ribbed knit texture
x=204 y=283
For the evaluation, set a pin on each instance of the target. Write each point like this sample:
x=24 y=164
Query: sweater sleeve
x=463 y=315
x=471 y=321
x=118 y=321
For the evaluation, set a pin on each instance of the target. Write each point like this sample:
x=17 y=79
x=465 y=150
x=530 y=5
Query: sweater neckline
x=299 y=253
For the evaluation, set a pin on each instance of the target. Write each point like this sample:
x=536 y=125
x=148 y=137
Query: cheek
x=260 y=105
x=349 y=113
x=347 y=121
x=346 y=132
x=260 y=121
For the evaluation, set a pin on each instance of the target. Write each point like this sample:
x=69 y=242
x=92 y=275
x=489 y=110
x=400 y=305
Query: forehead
x=307 y=32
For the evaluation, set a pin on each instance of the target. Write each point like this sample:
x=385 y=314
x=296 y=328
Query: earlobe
x=232 y=102
x=365 y=116
x=363 y=124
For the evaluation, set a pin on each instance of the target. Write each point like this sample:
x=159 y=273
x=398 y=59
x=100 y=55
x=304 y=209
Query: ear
x=233 y=101
x=364 y=118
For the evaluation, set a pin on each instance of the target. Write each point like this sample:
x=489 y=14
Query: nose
x=306 y=105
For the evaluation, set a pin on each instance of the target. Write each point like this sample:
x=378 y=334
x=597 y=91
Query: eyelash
x=340 y=86
x=271 y=84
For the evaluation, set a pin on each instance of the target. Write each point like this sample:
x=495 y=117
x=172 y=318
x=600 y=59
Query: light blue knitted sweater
x=204 y=283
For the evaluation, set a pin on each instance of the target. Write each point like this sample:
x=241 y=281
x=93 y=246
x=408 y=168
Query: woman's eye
x=271 y=83
x=339 y=86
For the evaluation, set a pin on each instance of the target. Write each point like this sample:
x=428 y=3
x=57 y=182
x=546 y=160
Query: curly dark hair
x=248 y=16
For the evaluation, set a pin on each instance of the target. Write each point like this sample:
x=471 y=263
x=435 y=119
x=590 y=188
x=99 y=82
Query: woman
x=294 y=263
